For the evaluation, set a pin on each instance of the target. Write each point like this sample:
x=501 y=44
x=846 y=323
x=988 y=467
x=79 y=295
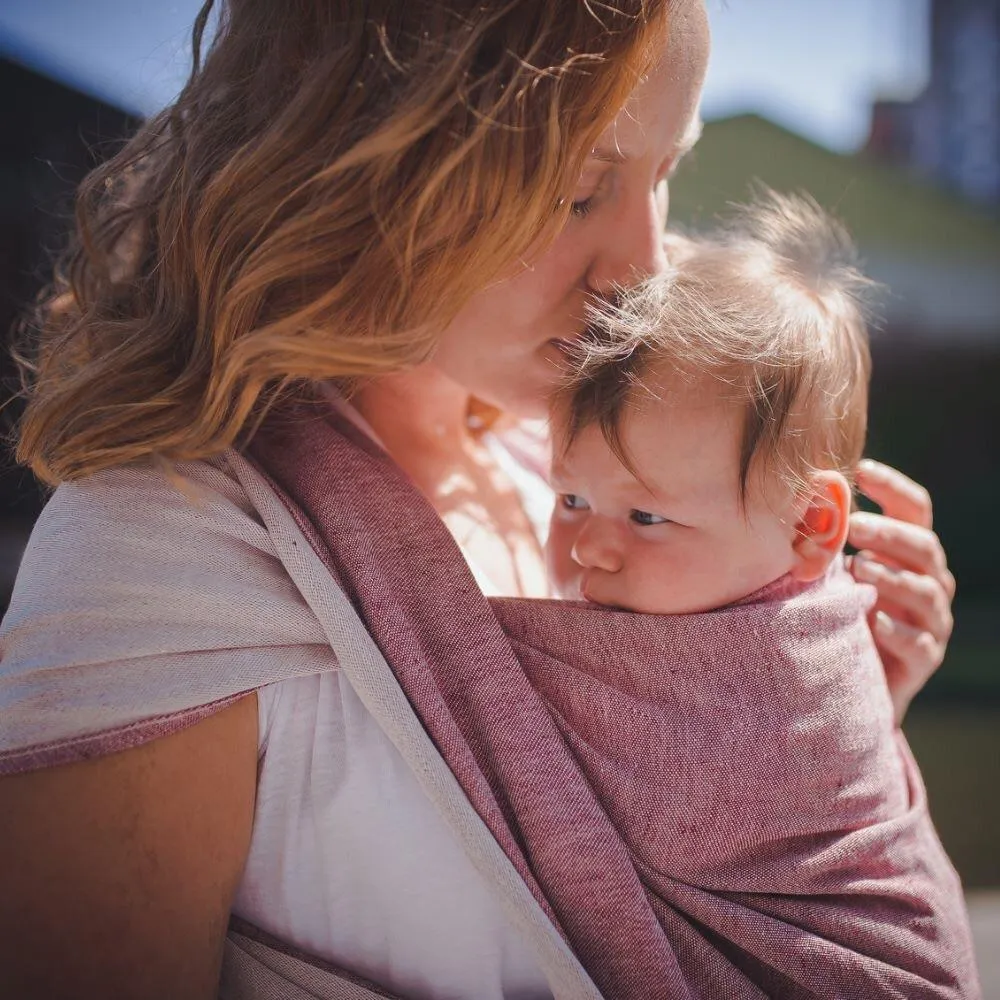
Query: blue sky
x=811 y=65
x=816 y=65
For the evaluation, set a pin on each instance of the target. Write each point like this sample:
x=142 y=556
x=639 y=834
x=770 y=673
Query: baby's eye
x=644 y=518
x=573 y=502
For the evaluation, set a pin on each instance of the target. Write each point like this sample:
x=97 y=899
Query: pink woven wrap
x=707 y=806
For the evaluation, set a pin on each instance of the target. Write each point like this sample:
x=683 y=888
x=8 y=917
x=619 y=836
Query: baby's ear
x=822 y=528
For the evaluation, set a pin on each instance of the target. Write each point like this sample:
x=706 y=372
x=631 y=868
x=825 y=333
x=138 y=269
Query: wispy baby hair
x=771 y=307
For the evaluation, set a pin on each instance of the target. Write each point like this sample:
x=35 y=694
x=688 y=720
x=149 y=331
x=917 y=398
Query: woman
x=412 y=202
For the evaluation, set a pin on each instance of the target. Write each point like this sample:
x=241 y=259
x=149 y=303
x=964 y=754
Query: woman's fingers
x=910 y=656
x=921 y=599
x=898 y=495
x=904 y=560
x=911 y=623
x=908 y=546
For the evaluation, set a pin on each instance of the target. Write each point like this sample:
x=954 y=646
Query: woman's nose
x=633 y=246
x=597 y=546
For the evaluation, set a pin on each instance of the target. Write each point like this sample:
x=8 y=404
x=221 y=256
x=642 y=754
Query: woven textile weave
x=706 y=806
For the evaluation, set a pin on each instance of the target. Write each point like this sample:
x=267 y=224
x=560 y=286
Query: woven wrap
x=706 y=806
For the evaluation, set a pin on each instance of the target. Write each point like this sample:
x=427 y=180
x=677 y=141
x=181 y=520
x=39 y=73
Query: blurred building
x=934 y=403
x=936 y=253
x=951 y=132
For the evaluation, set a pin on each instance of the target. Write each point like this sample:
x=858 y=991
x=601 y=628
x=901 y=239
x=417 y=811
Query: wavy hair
x=334 y=182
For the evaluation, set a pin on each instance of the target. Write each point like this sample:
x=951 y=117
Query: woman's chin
x=528 y=400
x=559 y=354
x=528 y=396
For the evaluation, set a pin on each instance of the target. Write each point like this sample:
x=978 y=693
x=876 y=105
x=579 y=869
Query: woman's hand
x=902 y=557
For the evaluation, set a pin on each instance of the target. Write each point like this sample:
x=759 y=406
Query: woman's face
x=507 y=346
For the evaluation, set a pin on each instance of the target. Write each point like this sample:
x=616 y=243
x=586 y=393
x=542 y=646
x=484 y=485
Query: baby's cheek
x=562 y=569
x=686 y=576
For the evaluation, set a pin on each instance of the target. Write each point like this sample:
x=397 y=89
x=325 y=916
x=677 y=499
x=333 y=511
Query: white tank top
x=350 y=862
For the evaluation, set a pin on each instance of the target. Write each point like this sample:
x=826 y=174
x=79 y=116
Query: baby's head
x=706 y=444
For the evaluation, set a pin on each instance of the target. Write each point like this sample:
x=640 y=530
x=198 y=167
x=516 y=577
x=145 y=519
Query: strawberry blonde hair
x=769 y=310
x=334 y=182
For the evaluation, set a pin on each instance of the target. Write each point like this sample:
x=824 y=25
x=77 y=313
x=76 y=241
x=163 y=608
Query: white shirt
x=350 y=862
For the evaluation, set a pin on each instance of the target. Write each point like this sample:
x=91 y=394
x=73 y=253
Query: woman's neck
x=422 y=419
x=419 y=412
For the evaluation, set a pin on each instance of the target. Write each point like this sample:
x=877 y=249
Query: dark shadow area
x=935 y=413
x=50 y=137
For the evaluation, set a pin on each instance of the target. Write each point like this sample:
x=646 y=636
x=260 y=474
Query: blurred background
x=887 y=111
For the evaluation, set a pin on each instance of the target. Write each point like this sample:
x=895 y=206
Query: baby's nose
x=597 y=547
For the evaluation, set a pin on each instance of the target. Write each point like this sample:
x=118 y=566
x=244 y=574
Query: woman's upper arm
x=118 y=872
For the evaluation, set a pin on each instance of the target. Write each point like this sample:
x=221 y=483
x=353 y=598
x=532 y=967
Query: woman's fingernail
x=871 y=469
x=863 y=526
x=864 y=569
x=884 y=624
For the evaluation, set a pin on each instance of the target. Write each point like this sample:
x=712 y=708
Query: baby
x=720 y=689
x=706 y=444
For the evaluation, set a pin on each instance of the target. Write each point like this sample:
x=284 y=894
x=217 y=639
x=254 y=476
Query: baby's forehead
x=668 y=438
x=668 y=382
x=667 y=406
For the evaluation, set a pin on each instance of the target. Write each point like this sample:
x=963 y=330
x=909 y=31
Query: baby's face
x=674 y=540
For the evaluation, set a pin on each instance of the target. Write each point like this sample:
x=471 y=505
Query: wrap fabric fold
x=706 y=806
x=147 y=601
x=267 y=969
x=94 y=662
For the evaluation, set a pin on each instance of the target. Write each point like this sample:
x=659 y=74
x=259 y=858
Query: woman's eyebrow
x=684 y=145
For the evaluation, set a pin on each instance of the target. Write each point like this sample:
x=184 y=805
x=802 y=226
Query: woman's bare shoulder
x=123 y=868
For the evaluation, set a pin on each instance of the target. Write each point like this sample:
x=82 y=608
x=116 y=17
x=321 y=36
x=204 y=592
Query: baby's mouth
x=586 y=593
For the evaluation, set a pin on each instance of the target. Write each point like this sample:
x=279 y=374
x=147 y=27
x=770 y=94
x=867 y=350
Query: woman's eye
x=644 y=518
x=573 y=502
x=579 y=209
